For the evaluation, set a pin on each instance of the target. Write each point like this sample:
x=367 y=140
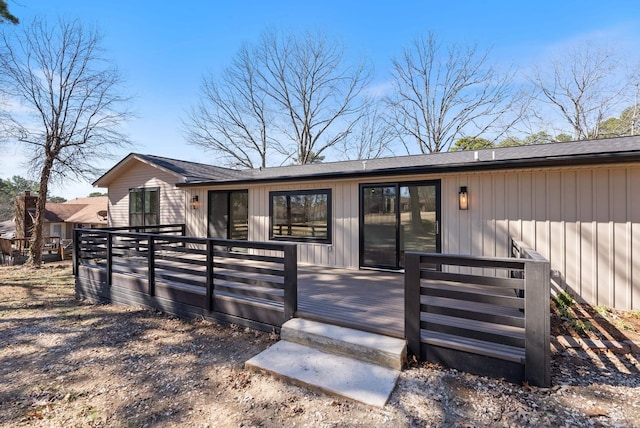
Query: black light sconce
x=463 y=198
x=195 y=203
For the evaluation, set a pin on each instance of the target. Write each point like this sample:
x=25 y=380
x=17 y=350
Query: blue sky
x=164 y=48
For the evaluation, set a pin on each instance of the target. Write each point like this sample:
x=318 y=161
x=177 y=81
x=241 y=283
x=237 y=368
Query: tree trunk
x=416 y=220
x=37 y=239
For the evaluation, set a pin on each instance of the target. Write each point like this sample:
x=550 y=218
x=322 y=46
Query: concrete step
x=368 y=347
x=307 y=366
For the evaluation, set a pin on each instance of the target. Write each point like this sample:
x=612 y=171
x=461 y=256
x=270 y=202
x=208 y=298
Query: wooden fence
x=485 y=315
x=19 y=247
x=238 y=282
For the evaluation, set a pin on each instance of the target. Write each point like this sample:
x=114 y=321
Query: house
x=575 y=203
x=60 y=218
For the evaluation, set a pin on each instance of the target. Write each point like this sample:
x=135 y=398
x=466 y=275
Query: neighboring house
x=60 y=218
x=575 y=203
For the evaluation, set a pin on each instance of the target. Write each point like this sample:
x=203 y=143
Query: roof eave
x=487 y=165
x=105 y=180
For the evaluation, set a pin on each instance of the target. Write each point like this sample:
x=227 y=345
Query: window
x=144 y=207
x=302 y=215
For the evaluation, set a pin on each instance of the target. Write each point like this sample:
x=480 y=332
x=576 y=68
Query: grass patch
x=581 y=327
x=563 y=303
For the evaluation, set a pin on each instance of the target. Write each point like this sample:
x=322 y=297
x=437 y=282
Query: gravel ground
x=66 y=363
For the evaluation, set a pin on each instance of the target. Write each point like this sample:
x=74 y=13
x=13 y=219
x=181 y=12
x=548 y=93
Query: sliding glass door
x=228 y=214
x=398 y=217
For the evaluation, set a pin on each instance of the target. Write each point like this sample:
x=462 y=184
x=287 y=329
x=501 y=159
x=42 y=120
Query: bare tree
x=232 y=117
x=582 y=87
x=445 y=93
x=371 y=138
x=288 y=94
x=74 y=105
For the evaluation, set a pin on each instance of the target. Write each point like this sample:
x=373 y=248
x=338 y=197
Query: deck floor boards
x=367 y=298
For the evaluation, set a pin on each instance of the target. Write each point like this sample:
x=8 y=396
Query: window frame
x=144 y=214
x=289 y=194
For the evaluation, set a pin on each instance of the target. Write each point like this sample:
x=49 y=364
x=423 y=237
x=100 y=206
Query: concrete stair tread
x=368 y=347
x=335 y=374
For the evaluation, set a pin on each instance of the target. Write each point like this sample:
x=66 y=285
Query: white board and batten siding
x=139 y=174
x=585 y=220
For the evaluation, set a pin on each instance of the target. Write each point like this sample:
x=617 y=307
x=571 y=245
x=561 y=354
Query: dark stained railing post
x=76 y=249
x=290 y=281
x=109 y=258
x=536 y=310
x=210 y=249
x=412 y=302
x=151 y=278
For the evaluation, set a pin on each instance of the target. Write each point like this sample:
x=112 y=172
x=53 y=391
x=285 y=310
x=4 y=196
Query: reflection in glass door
x=396 y=218
x=418 y=220
x=379 y=222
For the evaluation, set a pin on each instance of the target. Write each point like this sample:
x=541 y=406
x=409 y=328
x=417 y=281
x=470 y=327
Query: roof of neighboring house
x=622 y=149
x=184 y=171
x=80 y=210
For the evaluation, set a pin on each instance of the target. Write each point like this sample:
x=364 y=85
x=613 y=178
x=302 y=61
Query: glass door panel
x=218 y=215
x=379 y=226
x=239 y=215
x=418 y=219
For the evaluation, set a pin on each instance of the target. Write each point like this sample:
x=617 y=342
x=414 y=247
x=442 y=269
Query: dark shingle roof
x=569 y=153
x=192 y=171
x=553 y=154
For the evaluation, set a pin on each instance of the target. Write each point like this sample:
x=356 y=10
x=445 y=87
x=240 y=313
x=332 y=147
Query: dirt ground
x=68 y=363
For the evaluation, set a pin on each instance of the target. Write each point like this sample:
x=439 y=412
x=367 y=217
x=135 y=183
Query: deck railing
x=248 y=283
x=472 y=313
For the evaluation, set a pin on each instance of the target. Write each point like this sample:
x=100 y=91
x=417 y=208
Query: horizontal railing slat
x=512 y=283
x=254 y=257
x=475 y=346
x=248 y=268
x=473 y=311
x=250 y=281
x=472 y=261
x=178 y=259
x=267 y=294
x=498 y=333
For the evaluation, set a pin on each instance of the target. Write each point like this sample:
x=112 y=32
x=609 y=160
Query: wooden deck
x=468 y=313
x=367 y=299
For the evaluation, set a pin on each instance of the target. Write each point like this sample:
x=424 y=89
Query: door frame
x=398 y=184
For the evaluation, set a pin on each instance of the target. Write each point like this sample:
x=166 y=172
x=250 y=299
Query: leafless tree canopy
x=372 y=137
x=288 y=95
x=72 y=99
x=582 y=87
x=442 y=93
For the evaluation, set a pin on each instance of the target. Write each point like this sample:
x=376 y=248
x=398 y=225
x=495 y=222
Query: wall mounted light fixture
x=463 y=198
x=195 y=203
